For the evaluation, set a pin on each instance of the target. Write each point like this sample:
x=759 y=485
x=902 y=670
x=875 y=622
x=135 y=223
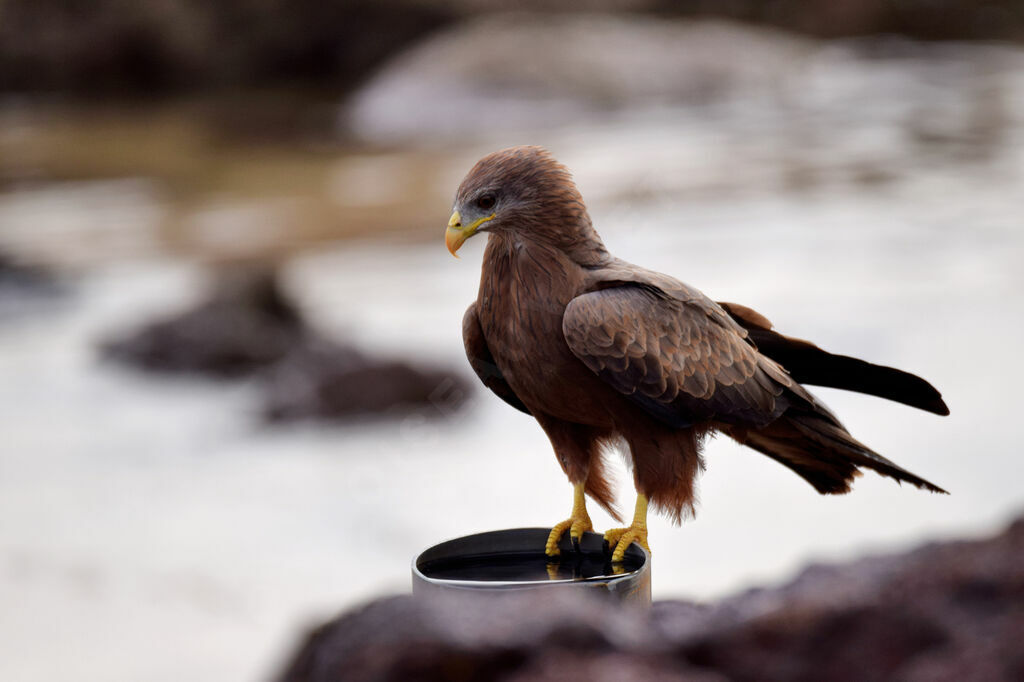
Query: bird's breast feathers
x=522 y=301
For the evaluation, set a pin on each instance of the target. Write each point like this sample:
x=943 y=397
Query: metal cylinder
x=513 y=559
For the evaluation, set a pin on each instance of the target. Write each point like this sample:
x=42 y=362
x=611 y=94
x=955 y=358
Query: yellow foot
x=619 y=539
x=577 y=524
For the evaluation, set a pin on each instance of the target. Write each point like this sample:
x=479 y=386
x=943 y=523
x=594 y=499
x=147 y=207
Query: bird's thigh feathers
x=666 y=463
x=580 y=450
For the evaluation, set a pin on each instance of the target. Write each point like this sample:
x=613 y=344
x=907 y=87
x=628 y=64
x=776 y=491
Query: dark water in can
x=531 y=567
x=514 y=559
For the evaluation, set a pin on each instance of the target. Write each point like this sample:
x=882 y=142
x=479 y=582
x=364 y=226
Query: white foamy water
x=153 y=529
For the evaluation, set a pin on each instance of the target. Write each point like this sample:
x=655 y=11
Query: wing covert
x=674 y=357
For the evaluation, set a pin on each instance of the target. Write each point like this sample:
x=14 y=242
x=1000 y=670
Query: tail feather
x=823 y=453
x=808 y=364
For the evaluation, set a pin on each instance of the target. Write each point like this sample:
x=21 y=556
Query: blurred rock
x=533 y=636
x=950 y=611
x=155 y=46
x=536 y=71
x=921 y=19
x=22 y=286
x=320 y=379
x=250 y=327
x=925 y=20
x=21 y=276
x=642 y=109
x=245 y=326
x=946 y=611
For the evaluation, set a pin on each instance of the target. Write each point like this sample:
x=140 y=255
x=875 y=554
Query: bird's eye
x=486 y=202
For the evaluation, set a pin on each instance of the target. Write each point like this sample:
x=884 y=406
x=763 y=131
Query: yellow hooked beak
x=457 y=233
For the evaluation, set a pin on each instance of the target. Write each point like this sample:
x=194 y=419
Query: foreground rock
x=248 y=327
x=952 y=611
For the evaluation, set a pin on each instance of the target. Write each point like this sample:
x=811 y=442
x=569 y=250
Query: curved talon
x=577 y=524
x=622 y=538
x=551 y=548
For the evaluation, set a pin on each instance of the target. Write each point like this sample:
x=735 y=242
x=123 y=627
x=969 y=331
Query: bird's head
x=521 y=191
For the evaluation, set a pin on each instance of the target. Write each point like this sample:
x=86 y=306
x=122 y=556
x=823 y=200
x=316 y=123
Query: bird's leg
x=619 y=539
x=577 y=523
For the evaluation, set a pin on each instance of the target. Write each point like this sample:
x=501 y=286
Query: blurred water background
x=859 y=182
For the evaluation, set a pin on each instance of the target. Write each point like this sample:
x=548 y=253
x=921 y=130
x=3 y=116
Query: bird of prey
x=604 y=353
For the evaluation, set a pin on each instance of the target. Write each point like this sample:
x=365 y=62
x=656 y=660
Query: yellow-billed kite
x=600 y=351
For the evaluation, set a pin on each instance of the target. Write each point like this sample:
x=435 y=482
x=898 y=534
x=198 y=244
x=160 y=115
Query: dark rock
x=920 y=19
x=23 y=286
x=321 y=379
x=535 y=636
x=249 y=327
x=150 y=47
x=18 y=276
x=154 y=47
x=952 y=611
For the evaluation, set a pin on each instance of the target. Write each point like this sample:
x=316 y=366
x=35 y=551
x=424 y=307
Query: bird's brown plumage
x=599 y=350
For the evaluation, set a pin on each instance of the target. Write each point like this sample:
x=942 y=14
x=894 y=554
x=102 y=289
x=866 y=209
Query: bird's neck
x=581 y=246
x=529 y=269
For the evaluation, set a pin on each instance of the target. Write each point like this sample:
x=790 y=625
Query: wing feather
x=682 y=359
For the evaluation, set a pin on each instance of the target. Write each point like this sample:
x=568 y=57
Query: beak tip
x=453 y=240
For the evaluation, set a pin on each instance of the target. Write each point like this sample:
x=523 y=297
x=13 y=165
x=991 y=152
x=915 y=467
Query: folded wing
x=674 y=357
x=684 y=360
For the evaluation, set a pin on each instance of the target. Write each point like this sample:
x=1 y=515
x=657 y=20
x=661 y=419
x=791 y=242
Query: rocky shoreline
x=945 y=611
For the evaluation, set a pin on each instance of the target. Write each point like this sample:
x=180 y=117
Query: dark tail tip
x=938 y=407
